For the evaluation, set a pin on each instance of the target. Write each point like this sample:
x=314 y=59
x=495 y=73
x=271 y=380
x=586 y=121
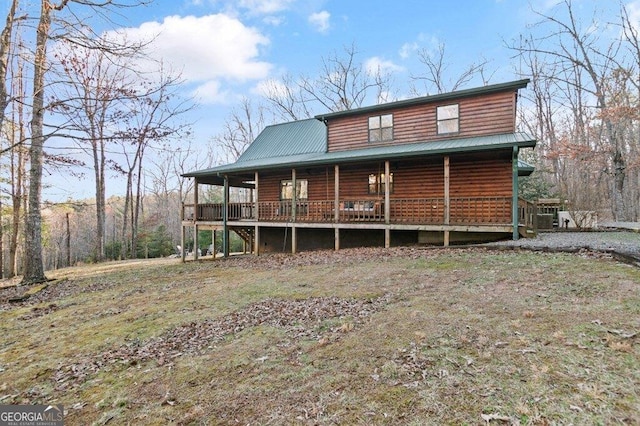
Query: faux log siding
x=481 y=178
x=479 y=116
x=320 y=184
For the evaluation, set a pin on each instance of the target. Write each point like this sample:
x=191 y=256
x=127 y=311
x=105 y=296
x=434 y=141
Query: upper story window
x=286 y=189
x=381 y=128
x=448 y=118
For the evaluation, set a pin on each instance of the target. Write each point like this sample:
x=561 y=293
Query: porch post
x=447 y=200
x=387 y=206
x=196 y=189
x=195 y=241
x=256 y=216
x=336 y=205
x=225 y=214
x=514 y=202
x=183 y=252
x=213 y=243
x=294 y=202
x=195 y=199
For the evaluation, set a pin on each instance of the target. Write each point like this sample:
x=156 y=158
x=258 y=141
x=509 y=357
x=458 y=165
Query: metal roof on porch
x=303 y=144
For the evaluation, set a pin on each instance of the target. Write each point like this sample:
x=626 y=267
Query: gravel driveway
x=619 y=241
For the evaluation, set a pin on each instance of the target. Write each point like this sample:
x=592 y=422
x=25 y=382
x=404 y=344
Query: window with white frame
x=381 y=128
x=448 y=119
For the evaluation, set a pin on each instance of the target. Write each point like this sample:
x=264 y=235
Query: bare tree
x=71 y=30
x=240 y=129
x=5 y=48
x=437 y=75
x=152 y=118
x=15 y=131
x=342 y=83
x=580 y=64
x=95 y=86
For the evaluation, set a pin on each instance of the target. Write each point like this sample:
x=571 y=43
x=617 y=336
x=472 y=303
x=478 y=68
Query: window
x=381 y=128
x=376 y=183
x=286 y=189
x=448 y=118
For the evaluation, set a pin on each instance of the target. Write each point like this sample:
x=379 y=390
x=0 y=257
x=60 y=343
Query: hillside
x=367 y=336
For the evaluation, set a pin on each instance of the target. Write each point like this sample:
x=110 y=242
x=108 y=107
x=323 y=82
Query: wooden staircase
x=246 y=233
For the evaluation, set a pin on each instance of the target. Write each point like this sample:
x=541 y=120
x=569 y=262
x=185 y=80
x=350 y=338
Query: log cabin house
x=437 y=169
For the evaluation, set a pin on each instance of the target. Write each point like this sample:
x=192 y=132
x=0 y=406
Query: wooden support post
x=195 y=200
x=256 y=216
x=213 y=243
x=447 y=199
x=225 y=218
x=294 y=208
x=195 y=241
x=183 y=238
x=515 y=216
x=336 y=205
x=387 y=203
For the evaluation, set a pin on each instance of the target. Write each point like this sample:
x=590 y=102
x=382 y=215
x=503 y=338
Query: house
x=436 y=169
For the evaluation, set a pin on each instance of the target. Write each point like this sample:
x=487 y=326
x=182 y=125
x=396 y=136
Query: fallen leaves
x=300 y=318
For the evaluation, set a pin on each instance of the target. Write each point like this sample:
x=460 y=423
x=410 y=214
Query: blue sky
x=228 y=49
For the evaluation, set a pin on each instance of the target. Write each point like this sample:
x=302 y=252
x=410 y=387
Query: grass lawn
x=369 y=336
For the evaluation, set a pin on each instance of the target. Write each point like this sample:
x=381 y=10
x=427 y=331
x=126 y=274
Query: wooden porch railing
x=527 y=214
x=462 y=210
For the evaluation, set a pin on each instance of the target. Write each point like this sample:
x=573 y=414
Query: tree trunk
x=33 y=265
x=5 y=44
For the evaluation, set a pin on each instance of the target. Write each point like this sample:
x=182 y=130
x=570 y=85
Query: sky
x=229 y=49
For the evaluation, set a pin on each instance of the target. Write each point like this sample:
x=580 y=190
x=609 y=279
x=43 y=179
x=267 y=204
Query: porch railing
x=462 y=210
x=527 y=214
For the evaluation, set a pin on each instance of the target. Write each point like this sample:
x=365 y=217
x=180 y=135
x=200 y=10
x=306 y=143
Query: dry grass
x=452 y=337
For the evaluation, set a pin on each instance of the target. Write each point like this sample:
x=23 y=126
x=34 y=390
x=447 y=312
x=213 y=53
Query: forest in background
x=82 y=104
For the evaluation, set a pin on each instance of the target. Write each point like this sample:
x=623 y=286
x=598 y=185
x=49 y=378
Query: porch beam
x=514 y=202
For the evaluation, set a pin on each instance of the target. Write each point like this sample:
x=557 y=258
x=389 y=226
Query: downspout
x=514 y=203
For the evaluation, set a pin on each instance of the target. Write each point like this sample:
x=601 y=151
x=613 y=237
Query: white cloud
x=633 y=9
x=408 y=49
x=210 y=93
x=204 y=49
x=375 y=64
x=320 y=21
x=265 y=7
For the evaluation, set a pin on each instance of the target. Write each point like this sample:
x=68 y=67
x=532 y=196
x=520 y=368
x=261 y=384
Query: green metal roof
x=304 y=143
x=483 y=90
x=286 y=140
x=524 y=168
x=314 y=157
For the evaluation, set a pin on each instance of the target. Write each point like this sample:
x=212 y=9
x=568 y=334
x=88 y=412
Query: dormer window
x=381 y=128
x=448 y=118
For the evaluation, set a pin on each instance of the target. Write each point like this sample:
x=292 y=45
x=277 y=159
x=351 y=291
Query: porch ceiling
x=377 y=153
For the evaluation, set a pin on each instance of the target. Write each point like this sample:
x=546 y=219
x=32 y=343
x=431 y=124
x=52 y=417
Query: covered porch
x=335 y=205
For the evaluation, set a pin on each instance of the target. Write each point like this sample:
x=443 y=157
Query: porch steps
x=526 y=232
x=245 y=233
